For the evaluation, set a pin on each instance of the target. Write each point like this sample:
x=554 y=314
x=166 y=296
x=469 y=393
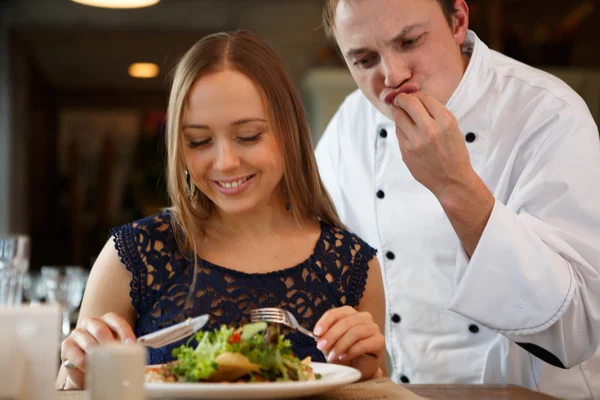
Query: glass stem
x=66 y=322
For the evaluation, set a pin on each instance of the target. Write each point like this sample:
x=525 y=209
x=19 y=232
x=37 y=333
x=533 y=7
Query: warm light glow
x=143 y=70
x=117 y=3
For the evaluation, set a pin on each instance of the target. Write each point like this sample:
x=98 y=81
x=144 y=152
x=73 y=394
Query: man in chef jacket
x=478 y=180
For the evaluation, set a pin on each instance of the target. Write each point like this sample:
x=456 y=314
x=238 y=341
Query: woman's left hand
x=345 y=333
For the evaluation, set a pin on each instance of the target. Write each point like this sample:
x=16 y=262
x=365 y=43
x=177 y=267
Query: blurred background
x=81 y=141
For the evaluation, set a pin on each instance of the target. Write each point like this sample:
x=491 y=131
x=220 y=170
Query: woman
x=250 y=224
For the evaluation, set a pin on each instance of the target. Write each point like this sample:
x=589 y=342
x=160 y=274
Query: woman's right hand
x=111 y=327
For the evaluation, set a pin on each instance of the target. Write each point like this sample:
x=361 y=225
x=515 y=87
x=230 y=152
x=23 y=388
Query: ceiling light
x=117 y=3
x=143 y=70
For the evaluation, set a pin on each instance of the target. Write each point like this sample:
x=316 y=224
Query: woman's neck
x=266 y=221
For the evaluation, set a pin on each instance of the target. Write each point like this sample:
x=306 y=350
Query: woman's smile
x=234 y=186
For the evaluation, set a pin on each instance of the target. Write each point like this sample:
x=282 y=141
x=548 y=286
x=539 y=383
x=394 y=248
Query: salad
x=255 y=352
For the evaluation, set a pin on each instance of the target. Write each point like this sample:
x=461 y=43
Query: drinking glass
x=14 y=263
x=34 y=290
x=64 y=286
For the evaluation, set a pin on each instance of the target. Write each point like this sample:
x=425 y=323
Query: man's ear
x=460 y=21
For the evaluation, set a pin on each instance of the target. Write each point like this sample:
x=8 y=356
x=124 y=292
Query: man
x=477 y=179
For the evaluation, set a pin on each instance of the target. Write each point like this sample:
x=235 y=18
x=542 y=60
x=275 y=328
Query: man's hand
x=432 y=146
x=434 y=150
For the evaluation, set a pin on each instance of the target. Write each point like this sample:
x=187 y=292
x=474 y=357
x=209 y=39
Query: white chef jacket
x=534 y=277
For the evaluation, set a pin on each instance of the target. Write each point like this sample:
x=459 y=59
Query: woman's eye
x=250 y=139
x=200 y=143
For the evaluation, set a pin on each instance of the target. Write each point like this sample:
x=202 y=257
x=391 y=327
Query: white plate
x=332 y=376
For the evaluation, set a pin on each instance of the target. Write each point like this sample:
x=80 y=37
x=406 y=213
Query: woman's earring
x=288 y=205
x=189 y=186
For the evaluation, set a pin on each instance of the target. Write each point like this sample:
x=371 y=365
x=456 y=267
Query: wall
x=537 y=21
x=26 y=126
x=292 y=27
x=5 y=143
x=21 y=118
x=323 y=90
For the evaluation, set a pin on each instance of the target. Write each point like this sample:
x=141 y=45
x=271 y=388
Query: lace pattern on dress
x=333 y=276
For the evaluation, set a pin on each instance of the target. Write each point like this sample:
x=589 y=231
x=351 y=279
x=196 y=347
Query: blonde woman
x=250 y=226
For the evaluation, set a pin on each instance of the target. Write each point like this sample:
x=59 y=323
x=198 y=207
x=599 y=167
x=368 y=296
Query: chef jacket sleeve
x=535 y=274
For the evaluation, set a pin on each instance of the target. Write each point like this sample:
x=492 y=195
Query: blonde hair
x=249 y=54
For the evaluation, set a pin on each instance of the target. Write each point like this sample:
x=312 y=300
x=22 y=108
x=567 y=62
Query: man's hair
x=330 y=8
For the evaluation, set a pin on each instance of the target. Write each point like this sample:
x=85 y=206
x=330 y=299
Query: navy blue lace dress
x=333 y=276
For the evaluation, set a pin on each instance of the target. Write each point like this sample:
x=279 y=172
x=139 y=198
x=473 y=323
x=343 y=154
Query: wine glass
x=64 y=286
x=34 y=290
x=14 y=263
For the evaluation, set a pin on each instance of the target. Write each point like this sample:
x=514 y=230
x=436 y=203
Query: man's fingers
x=433 y=106
x=406 y=129
x=431 y=117
x=415 y=109
x=437 y=110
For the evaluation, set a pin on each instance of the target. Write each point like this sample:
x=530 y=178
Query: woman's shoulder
x=346 y=257
x=147 y=249
x=159 y=222
x=342 y=240
x=144 y=233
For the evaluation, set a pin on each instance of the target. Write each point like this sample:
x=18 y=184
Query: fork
x=281 y=316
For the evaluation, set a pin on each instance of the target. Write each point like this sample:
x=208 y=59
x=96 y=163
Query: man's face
x=395 y=46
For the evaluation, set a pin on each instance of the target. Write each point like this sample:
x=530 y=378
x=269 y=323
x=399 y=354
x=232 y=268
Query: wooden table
x=432 y=392
x=478 y=392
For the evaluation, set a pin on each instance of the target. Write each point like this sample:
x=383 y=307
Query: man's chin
x=385 y=109
x=381 y=106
